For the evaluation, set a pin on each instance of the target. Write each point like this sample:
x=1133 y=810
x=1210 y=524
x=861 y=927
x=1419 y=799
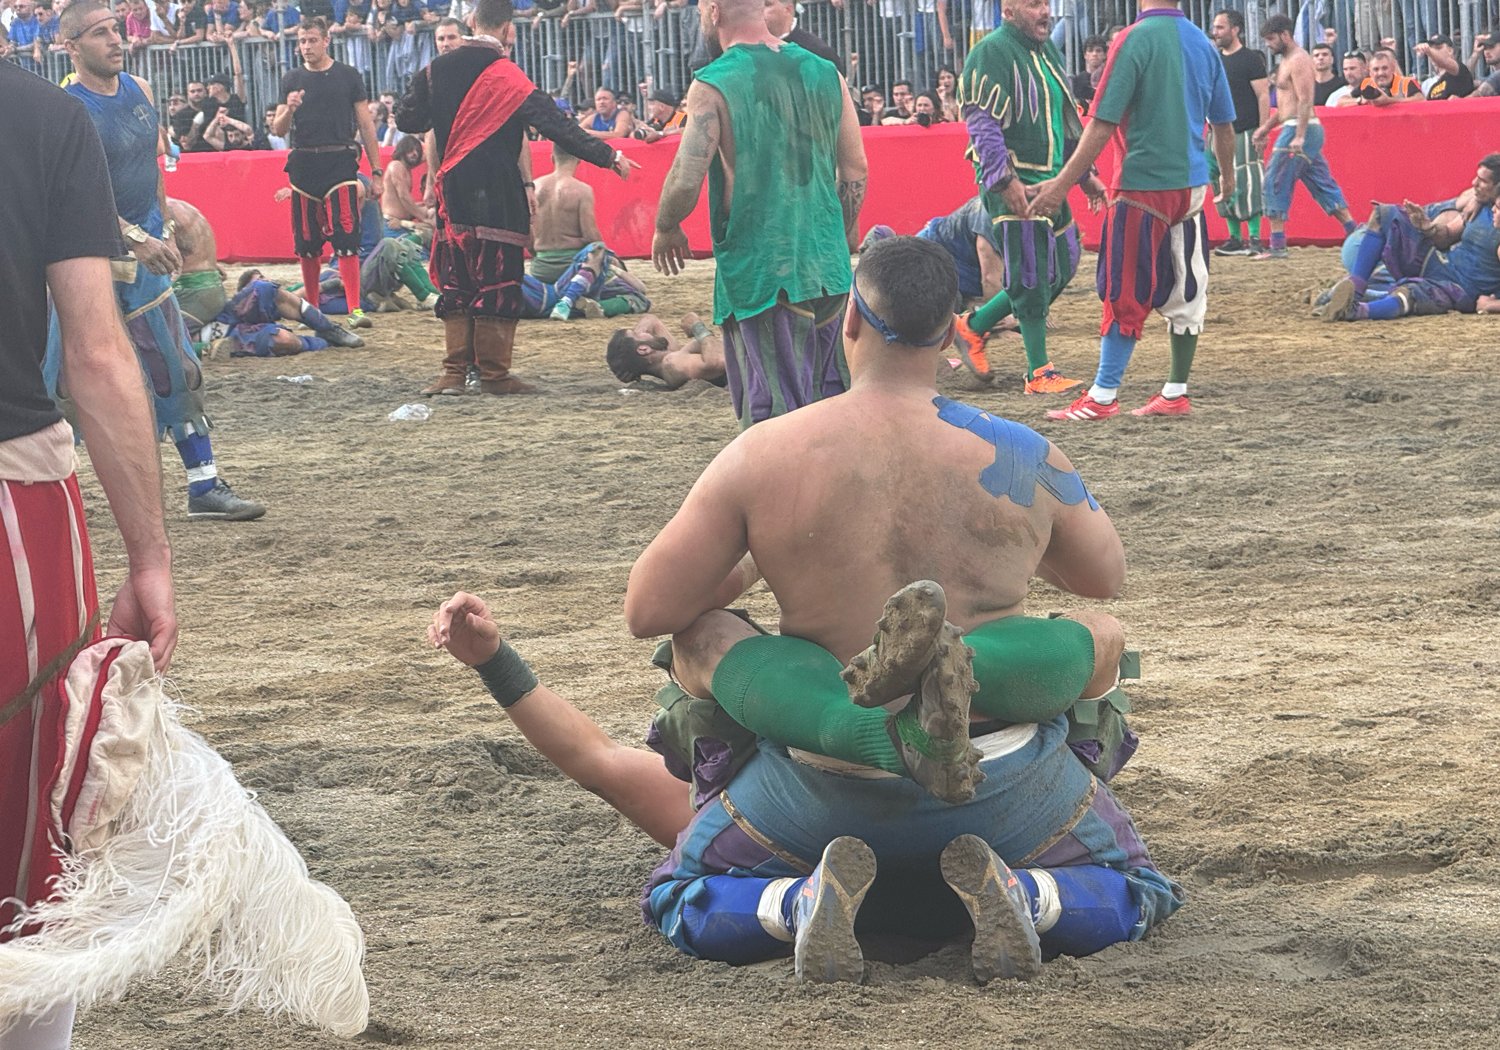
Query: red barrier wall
x=1425 y=151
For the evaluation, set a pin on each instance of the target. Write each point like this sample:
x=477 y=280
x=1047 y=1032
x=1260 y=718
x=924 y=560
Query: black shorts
x=325 y=202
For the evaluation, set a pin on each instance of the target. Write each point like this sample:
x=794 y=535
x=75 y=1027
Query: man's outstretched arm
x=632 y=780
x=694 y=564
x=853 y=168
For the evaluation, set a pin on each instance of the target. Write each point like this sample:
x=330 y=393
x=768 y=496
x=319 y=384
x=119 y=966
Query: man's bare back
x=195 y=238
x=564 y=210
x=844 y=502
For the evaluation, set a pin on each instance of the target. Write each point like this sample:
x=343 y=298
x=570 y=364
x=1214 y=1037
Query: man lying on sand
x=648 y=349
x=841 y=505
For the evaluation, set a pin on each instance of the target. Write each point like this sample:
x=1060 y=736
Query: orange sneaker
x=971 y=349
x=1164 y=406
x=1048 y=380
x=1086 y=408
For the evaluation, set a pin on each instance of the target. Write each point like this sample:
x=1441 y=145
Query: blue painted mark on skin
x=1020 y=458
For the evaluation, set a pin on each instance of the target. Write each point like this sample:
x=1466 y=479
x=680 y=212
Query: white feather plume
x=195 y=869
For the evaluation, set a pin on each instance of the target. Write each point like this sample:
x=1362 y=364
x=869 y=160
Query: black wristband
x=506 y=675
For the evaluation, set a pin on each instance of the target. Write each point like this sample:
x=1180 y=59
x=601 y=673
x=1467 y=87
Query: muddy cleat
x=1086 y=408
x=971 y=349
x=1048 y=380
x=1161 y=405
x=221 y=504
x=826 y=949
x=1271 y=253
x=931 y=732
x=906 y=640
x=590 y=307
x=357 y=319
x=1005 y=940
x=337 y=335
x=1342 y=299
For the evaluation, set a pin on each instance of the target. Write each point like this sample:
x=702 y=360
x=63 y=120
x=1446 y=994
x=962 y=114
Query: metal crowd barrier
x=881 y=42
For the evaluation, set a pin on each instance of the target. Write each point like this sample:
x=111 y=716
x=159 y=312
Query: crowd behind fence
x=880 y=42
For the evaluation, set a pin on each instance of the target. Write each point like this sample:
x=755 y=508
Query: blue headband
x=879 y=324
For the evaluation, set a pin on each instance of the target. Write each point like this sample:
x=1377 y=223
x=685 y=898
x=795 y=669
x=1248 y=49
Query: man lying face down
x=817 y=757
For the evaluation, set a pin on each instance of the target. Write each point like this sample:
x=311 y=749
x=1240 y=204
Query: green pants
x=789 y=690
x=1249 y=175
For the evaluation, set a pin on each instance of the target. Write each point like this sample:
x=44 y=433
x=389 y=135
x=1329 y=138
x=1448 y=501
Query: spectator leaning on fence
x=902 y=97
x=1488 y=46
x=1387 y=85
x=1454 y=80
x=607 y=120
x=1325 y=80
x=873 y=107
x=1356 y=67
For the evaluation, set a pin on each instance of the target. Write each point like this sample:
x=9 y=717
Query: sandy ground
x=1313 y=584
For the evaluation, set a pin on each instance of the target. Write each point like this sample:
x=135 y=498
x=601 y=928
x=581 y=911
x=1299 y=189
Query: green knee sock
x=1034 y=338
x=1255 y=227
x=1183 y=348
x=789 y=690
x=616 y=306
x=415 y=278
x=1030 y=669
x=990 y=314
x=1239 y=231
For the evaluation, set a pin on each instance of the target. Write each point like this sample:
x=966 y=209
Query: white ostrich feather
x=194 y=869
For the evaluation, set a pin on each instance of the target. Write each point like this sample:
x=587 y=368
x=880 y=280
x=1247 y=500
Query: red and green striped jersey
x=1161 y=81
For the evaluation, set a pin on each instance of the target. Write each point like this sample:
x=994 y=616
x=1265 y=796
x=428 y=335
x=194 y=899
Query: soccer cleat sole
x=1005 y=940
x=826 y=949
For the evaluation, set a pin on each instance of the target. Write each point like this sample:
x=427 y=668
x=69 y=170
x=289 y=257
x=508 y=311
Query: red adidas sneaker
x=1086 y=408
x=1164 y=406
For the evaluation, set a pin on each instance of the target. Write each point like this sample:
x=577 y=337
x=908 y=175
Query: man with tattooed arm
x=774 y=129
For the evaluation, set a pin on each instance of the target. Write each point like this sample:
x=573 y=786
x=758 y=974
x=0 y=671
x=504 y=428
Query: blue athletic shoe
x=1005 y=938
x=826 y=948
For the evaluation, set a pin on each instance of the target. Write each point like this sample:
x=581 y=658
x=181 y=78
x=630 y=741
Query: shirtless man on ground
x=841 y=505
x=564 y=220
x=397 y=204
x=648 y=349
x=199 y=283
x=1298 y=153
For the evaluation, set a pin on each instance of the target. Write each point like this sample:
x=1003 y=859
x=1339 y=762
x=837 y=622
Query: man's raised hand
x=463 y=625
x=293 y=100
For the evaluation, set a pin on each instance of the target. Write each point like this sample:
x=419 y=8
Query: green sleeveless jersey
x=783 y=229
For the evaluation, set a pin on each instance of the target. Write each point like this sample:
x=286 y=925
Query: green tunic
x=783 y=229
x=1020 y=83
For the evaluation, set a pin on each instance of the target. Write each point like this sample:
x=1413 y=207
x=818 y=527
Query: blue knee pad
x=1097 y=909
x=717 y=917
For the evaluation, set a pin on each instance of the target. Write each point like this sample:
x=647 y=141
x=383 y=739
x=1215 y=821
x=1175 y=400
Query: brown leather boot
x=494 y=343
x=458 y=333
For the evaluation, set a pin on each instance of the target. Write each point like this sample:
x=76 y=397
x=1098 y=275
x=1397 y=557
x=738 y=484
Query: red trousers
x=46 y=599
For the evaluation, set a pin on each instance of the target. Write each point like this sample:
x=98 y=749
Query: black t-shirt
x=191 y=19
x=1243 y=68
x=1453 y=85
x=326 y=116
x=316 y=9
x=1082 y=85
x=57 y=205
x=1322 y=91
x=805 y=40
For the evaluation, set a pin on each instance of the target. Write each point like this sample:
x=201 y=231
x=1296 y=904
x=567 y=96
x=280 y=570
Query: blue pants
x=1038 y=808
x=1310 y=168
x=163 y=347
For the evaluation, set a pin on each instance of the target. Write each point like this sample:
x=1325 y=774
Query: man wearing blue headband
x=889 y=489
